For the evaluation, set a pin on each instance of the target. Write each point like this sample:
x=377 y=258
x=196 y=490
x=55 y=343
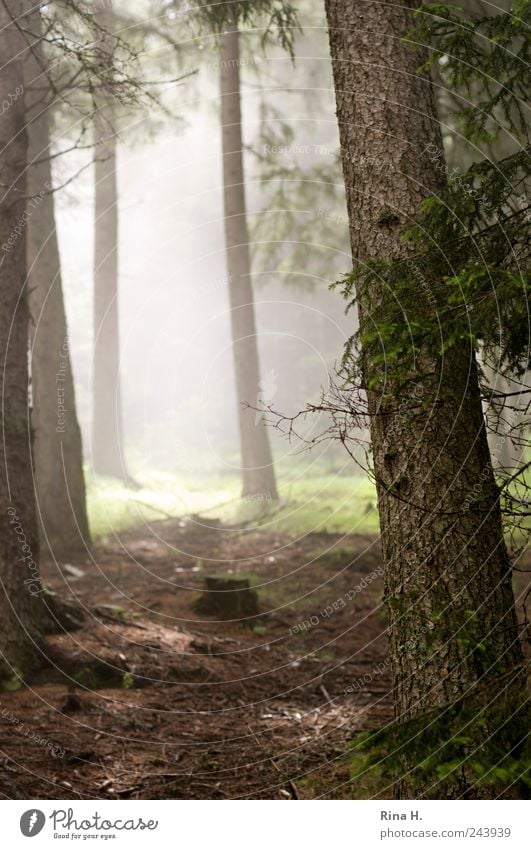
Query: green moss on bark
x=466 y=750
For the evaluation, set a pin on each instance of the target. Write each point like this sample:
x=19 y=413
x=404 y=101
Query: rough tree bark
x=57 y=447
x=107 y=437
x=258 y=476
x=20 y=586
x=452 y=622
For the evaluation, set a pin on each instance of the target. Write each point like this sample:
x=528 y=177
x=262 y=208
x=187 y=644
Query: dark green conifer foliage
x=472 y=240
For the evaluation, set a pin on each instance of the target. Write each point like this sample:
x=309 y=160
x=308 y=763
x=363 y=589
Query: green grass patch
x=321 y=503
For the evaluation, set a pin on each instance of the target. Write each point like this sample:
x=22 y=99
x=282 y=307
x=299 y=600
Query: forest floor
x=149 y=700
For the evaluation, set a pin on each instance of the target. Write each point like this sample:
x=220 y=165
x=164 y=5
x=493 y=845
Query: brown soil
x=150 y=700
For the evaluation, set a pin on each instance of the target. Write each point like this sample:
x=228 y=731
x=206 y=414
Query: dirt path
x=150 y=700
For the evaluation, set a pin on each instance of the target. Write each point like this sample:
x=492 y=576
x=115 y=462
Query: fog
x=179 y=404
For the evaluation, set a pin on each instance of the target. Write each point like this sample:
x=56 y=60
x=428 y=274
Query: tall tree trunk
x=57 y=447
x=506 y=426
x=107 y=441
x=257 y=463
x=452 y=622
x=19 y=546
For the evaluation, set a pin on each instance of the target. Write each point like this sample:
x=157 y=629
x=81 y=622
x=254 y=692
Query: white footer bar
x=264 y=824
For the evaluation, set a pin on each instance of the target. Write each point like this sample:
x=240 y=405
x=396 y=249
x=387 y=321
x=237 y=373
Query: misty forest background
x=266 y=465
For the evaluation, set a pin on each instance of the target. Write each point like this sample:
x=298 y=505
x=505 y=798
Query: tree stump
x=227 y=598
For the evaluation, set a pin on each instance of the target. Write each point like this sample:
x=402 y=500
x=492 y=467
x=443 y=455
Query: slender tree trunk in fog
x=19 y=545
x=107 y=443
x=256 y=459
x=57 y=448
x=506 y=432
x=452 y=622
